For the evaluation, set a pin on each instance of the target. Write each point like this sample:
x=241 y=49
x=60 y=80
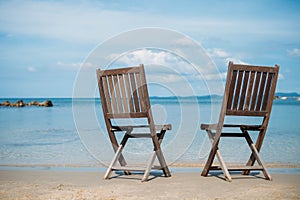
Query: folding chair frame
x=124 y=94
x=249 y=91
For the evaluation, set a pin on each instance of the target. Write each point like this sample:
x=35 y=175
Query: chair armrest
x=244 y=127
x=252 y=127
x=163 y=127
x=157 y=127
x=209 y=126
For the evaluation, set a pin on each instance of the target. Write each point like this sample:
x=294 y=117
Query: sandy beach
x=47 y=184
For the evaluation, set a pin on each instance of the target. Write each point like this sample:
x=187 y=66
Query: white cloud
x=222 y=57
x=165 y=78
x=294 y=52
x=149 y=56
x=158 y=60
x=236 y=61
x=280 y=76
x=217 y=52
x=167 y=67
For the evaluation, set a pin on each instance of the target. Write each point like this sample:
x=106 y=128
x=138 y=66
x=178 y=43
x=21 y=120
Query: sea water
x=57 y=136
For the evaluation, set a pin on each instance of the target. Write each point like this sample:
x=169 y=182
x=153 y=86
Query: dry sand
x=46 y=184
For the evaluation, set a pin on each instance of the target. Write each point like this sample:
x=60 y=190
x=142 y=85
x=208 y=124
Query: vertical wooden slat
x=134 y=92
x=112 y=94
x=237 y=90
x=254 y=94
x=118 y=94
x=249 y=91
x=267 y=92
x=128 y=90
x=231 y=90
x=140 y=92
x=243 y=93
x=107 y=95
x=124 y=98
x=145 y=90
x=261 y=91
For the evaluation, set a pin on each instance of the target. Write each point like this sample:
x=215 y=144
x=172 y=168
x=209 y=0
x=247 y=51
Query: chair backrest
x=249 y=90
x=124 y=92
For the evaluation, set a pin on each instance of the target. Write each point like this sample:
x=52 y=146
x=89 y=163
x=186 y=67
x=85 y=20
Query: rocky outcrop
x=5 y=103
x=46 y=103
x=20 y=103
x=33 y=103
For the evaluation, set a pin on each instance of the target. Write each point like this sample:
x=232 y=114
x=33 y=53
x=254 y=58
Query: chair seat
x=157 y=127
x=241 y=126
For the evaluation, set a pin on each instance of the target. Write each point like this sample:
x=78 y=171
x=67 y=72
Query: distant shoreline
x=279 y=95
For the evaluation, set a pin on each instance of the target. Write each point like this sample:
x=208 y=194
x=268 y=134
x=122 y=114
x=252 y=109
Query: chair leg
x=117 y=156
x=258 y=145
x=115 y=146
x=260 y=162
x=220 y=159
x=223 y=166
x=209 y=161
x=256 y=155
x=113 y=162
x=149 y=166
x=210 y=158
x=160 y=157
x=162 y=162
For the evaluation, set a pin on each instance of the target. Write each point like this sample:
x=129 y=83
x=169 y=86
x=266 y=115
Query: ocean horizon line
x=279 y=94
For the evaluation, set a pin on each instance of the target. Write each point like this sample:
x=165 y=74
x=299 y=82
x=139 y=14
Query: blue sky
x=44 y=43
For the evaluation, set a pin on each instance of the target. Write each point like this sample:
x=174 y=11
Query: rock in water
x=19 y=103
x=33 y=103
x=46 y=103
x=5 y=103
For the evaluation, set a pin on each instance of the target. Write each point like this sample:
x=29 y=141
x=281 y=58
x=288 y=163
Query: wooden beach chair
x=249 y=92
x=124 y=95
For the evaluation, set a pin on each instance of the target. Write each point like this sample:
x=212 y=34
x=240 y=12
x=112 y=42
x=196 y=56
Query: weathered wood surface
x=249 y=91
x=124 y=94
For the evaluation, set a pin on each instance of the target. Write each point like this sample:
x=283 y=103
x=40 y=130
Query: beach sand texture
x=43 y=184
